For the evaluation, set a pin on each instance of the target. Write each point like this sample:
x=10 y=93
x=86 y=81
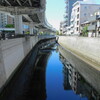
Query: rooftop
x=84 y=3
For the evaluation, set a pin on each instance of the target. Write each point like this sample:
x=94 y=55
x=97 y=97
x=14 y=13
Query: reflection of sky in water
x=54 y=81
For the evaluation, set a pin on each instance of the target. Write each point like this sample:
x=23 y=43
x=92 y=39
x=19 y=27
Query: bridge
x=29 y=12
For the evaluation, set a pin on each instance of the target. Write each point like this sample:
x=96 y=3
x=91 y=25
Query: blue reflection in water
x=54 y=81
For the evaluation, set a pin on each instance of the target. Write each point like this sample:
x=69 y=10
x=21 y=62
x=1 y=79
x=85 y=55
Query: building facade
x=69 y=6
x=62 y=27
x=5 y=19
x=10 y=19
x=94 y=25
x=67 y=16
x=81 y=13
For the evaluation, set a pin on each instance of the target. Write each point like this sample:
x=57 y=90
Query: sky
x=55 y=10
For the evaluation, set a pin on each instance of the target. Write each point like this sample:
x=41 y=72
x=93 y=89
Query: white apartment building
x=5 y=19
x=81 y=12
x=63 y=27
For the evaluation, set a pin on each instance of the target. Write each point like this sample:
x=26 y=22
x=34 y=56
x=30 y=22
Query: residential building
x=62 y=27
x=67 y=16
x=81 y=13
x=5 y=19
x=94 y=25
x=10 y=19
x=69 y=6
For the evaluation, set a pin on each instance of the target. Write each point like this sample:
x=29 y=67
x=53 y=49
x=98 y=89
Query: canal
x=51 y=77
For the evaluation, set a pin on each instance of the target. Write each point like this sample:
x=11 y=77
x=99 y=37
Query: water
x=55 y=80
x=52 y=77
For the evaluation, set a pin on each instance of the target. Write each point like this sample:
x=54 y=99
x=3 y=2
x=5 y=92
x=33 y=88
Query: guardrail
x=12 y=36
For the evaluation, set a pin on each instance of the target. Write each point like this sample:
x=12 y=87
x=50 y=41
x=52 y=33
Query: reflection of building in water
x=78 y=84
x=66 y=79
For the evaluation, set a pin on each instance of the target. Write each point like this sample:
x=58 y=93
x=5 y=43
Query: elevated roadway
x=31 y=12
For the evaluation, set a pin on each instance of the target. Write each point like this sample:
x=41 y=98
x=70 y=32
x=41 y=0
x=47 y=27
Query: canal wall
x=88 y=48
x=12 y=53
x=89 y=73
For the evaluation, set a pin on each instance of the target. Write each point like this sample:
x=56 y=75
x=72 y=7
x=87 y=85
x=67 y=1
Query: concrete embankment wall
x=85 y=47
x=90 y=74
x=12 y=53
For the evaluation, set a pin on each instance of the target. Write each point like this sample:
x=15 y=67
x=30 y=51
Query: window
x=77 y=22
x=78 y=9
x=78 y=16
x=77 y=28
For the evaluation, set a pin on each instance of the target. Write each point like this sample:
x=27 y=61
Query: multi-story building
x=81 y=12
x=5 y=19
x=93 y=25
x=10 y=19
x=69 y=6
x=67 y=16
x=62 y=27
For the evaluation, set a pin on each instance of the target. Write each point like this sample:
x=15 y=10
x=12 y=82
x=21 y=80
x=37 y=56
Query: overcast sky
x=55 y=9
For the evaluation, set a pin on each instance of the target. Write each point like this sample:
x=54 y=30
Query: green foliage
x=9 y=26
x=60 y=33
x=41 y=33
x=27 y=32
x=57 y=33
x=85 y=31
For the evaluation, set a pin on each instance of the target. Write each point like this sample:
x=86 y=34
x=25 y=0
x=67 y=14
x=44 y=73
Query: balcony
x=92 y=19
x=71 y=25
x=91 y=27
x=98 y=24
x=72 y=19
x=66 y=16
x=72 y=31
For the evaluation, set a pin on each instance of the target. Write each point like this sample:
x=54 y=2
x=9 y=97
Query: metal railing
x=4 y=36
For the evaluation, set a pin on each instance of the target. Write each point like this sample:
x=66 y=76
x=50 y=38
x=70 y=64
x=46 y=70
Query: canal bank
x=87 y=49
x=48 y=78
x=90 y=74
x=14 y=52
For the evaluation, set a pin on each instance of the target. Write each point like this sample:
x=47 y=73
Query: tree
x=9 y=26
x=85 y=30
x=41 y=33
x=57 y=32
x=27 y=32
